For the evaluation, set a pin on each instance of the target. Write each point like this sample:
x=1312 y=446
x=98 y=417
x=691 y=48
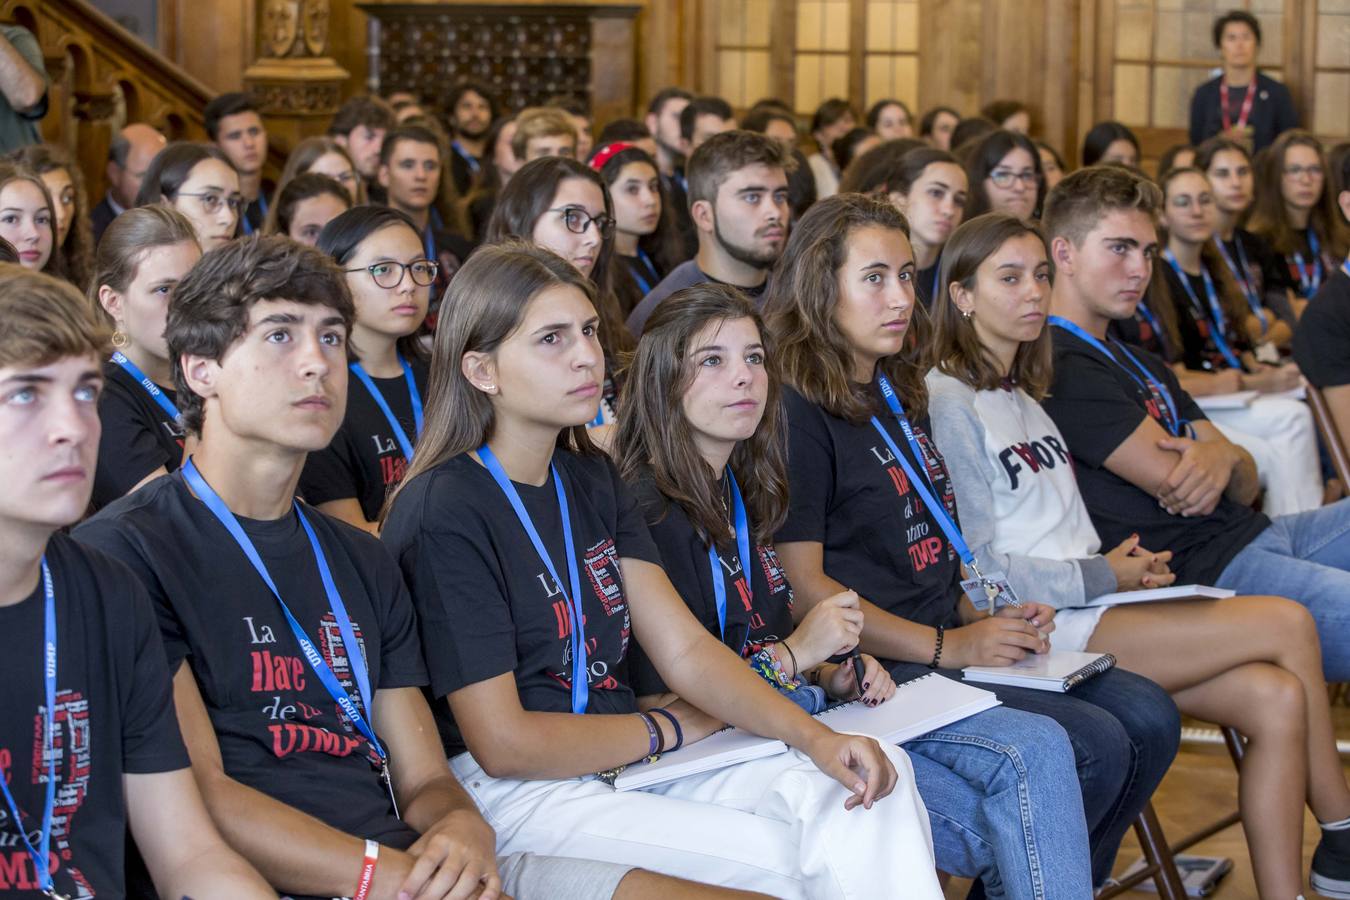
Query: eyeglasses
x=1005 y=177
x=1300 y=171
x=211 y=201
x=577 y=220
x=390 y=274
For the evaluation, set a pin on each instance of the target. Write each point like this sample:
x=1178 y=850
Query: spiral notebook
x=918 y=707
x=1058 y=670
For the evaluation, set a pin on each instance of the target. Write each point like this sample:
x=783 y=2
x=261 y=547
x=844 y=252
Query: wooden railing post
x=297 y=83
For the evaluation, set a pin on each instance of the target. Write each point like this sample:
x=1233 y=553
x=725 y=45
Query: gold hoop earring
x=120 y=340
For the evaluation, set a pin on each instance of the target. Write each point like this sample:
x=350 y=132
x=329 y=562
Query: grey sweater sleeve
x=960 y=436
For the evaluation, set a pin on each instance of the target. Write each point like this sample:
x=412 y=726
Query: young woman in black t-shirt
x=930 y=188
x=702 y=413
x=389 y=276
x=647 y=244
x=1296 y=212
x=143 y=255
x=532 y=569
x=843 y=312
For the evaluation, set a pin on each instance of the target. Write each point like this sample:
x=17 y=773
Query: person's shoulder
x=109 y=585
x=654 y=504
x=948 y=390
x=1331 y=303
x=443 y=487
x=1265 y=83
x=595 y=470
x=686 y=274
x=157 y=507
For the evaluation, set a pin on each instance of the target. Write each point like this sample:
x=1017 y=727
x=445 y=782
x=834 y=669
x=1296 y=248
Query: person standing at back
x=1241 y=103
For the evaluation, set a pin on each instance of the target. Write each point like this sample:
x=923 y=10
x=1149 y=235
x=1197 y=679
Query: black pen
x=858 y=669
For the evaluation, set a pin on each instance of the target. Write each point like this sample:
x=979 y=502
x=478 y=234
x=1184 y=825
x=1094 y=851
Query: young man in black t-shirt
x=112 y=742
x=318 y=798
x=233 y=123
x=1149 y=462
x=360 y=126
x=472 y=112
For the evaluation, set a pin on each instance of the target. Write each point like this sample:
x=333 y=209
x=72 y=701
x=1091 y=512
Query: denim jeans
x=1124 y=731
x=1305 y=557
x=1003 y=805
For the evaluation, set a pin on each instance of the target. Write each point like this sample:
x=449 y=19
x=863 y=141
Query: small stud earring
x=966 y=314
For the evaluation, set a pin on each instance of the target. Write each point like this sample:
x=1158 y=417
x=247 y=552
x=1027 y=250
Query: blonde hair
x=45 y=319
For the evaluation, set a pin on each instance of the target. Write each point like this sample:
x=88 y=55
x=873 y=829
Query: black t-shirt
x=114 y=715
x=1322 y=339
x=1266 y=269
x=279 y=730
x=1097 y=406
x=485 y=601
x=757 y=612
x=1272 y=110
x=851 y=495
x=461 y=169
x=138 y=436
x=1199 y=350
x=365 y=460
x=925 y=280
x=1302 y=278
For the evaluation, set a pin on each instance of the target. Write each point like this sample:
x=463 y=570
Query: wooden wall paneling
x=782 y=57
x=857 y=61
x=949 y=54
x=612 y=86
x=663 y=46
x=1061 y=85
x=214 y=40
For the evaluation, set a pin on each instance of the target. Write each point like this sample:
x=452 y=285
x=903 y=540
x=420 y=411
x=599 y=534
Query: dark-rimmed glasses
x=577 y=220
x=389 y=274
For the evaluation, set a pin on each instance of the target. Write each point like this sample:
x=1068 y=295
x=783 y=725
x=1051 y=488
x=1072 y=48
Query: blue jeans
x=1003 y=805
x=1305 y=557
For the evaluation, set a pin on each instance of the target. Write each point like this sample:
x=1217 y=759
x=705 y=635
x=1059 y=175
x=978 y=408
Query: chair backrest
x=1331 y=437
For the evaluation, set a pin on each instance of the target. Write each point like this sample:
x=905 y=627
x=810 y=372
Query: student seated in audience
x=199 y=182
x=448 y=206
x=1005 y=174
x=89 y=741
x=854 y=143
x=1147 y=460
x=968 y=131
x=1110 y=142
x=702 y=118
x=472 y=111
x=235 y=126
x=929 y=188
x=497 y=168
x=1052 y=165
x=738 y=200
x=1241 y=103
x=360 y=126
x=628 y=131
x=142 y=257
x=543 y=131
x=1249 y=662
x=304 y=205
x=832 y=120
x=326 y=769
x=646 y=246
x=563 y=206
x=529 y=707
x=406 y=111
x=1216 y=343
x=842 y=311
x=1296 y=212
x=27 y=219
x=872 y=172
x=663 y=121
x=74 y=236
x=775 y=123
x=580 y=116
x=700 y=418
x=1322 y=341
x=1177 y=156
x=129 y=156
x=890 y=120
x=1010 y=115
x=389 y=276
x=411 y=168
x=325 y=156
x=937 y=125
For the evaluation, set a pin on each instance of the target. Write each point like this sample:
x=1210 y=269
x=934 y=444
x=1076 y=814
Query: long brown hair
x=482 y=307
x=77 y=250
x=300 y=160
x=803 y=292
x=654 y=432
x=1268 y=216
x=1231 y=301
x=11 y=171
x=956 y=349
x=128 y=241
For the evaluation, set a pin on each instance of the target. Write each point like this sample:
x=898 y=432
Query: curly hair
x=76 y=252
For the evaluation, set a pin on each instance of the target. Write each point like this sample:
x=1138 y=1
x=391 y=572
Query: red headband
x=608 y=152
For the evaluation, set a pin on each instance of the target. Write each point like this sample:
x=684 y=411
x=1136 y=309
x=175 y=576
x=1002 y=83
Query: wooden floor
x=1200 y=788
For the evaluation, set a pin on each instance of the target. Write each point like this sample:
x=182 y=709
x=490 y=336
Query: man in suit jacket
x=128 y=158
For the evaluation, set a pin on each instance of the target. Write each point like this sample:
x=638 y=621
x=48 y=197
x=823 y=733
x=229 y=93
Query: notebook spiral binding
x=1091 y=670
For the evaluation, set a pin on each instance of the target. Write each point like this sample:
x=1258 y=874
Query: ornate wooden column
x=297 y=83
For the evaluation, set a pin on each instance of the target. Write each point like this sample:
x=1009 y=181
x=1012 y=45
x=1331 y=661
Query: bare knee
x=1273 y=703
x=1282 y=624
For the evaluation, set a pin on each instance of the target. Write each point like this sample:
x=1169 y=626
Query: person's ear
x=1062 y=255
x=111 y=301
x=899 y=201
x=701 y=211
x=962 y=299
x=201 y=374
x=481 y=371
x=382 y=175
x=1343 y=198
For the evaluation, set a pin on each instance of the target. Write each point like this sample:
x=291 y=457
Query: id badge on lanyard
x=719 y=579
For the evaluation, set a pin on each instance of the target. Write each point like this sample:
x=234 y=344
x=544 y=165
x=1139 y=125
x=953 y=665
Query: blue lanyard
x=646 y=261
x=42 y=852
x=923 y=485
x=1152 y=320
x=1217 y=320
x=580 y=688
x=937 y=276
x=465 y=155
x=243 y=214
x=403 y=442
x=1309 y=283
x=150 y=387
x=1243 y=275
x=1176 y=425
x=719 y=581
x=207 y=495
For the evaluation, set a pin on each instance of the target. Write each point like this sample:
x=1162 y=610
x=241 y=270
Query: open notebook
x=1058 y=670
x=918 y=707
x=1175 y=592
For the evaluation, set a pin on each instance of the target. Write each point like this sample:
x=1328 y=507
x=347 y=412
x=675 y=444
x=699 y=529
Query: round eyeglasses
x=1005 y=177
x=390 y=274
x=211 y=201
x=577 y=220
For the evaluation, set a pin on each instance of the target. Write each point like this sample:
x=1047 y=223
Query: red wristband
x=367 y=878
